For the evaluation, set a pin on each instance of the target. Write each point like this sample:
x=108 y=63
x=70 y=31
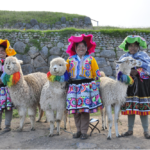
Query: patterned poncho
x=144 y=58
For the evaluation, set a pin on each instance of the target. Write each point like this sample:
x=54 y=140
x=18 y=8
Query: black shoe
x=83 y=136
x=146 y=134
x=77 y=135
x=7 y=129
x=128 y=133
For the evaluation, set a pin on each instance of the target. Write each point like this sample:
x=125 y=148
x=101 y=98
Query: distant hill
x=12 y=17
x=36 y=20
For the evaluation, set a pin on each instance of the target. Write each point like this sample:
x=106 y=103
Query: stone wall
x=84 y=23
x=38 y=50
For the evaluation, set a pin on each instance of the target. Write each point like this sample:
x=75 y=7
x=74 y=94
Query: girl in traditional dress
x=83 y=95
x=5 y=100
x=138 y=95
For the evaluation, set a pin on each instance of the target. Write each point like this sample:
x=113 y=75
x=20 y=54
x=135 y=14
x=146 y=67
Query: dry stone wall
x=33 y=24
x=37 y=50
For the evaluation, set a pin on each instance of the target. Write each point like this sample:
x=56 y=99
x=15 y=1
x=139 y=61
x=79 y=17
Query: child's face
x=2 y=53
x=133 y=48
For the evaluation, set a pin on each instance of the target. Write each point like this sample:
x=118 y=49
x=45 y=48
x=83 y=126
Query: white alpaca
x=25 y=94
x=53 y=95
x=113 y=92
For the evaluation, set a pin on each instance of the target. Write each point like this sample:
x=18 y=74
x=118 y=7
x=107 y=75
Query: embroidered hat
x=132 y=39
x=76 y=39
x=9 y=51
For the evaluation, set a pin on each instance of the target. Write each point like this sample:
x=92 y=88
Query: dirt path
x=39 y=139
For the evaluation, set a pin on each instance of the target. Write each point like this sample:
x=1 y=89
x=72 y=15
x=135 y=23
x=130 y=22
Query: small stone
x=55 y=51
x=27 y=69
x=27 y=41
x=87 y=20
x=49 y=45
x=36 y=27
x=33 y=22
x=75 y=19
x=63 y=19
x=28 y=26
x=101 y=62
x=107 y=70
x=39 y=62
x=63 y=25
x=108 y=53
x=44 y=52
x=19 y=47
x=60 y=45
x=26 y=59
x=33 y=52
x=44 y=69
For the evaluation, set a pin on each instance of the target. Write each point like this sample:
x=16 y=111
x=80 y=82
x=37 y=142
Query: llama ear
x=20 y=61
x=120 y=61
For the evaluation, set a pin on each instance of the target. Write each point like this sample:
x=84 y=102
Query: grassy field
x=111 y=27
x=42 y=17
x=112 y=31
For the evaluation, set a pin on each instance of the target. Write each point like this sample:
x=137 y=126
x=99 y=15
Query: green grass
x=112 y=27
x=13 y=17
x=70 y=31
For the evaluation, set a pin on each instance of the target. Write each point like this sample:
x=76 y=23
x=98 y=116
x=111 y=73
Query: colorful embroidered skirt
x=138 y=103
x=5 y=101
x=83 y=97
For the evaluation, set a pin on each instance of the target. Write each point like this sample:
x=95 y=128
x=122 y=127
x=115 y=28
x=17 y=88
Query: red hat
x=77 y=39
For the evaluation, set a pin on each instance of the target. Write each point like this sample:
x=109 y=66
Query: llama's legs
x=117 y=109
x=58 y=120
x=65 y=119
x=102 y=115
x=50 y=118
x=105 y=122
x=109 y=114
x=41 y=113
x=22 y=114
x=32 y=114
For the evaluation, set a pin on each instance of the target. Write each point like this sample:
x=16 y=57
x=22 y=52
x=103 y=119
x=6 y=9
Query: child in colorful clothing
x=138 y=95
x=83 y=94
x=5 y=100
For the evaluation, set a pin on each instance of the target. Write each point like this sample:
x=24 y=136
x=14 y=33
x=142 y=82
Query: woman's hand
x=133 y=72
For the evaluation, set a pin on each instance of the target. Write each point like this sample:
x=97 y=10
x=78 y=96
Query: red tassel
x=16 y=78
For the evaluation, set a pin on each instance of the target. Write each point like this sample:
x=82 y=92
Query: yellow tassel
x=9 y=84
x=52 y=78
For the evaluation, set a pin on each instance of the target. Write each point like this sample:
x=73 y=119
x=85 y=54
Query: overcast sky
x=121 y=13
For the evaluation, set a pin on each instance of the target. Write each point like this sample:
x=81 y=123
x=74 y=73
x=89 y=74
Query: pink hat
x=77 y=39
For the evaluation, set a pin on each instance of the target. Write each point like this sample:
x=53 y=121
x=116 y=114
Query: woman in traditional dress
x=83 y=95
x=5 y=100
x=138 y=95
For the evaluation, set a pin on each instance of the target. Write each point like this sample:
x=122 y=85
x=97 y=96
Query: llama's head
x=12 y=65
x=58 y=66
x=126 y=63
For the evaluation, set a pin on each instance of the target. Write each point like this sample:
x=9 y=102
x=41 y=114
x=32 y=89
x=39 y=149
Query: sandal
x=77 y=135
x=128 y=133
x=146 y=134
x=83 y=136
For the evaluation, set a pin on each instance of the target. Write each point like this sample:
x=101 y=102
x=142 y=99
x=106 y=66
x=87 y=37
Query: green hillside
x=12 y=17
